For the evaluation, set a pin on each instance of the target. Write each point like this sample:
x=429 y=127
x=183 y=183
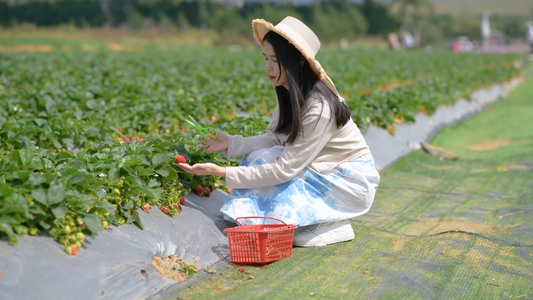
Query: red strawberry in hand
x=207 y=191
x=180 y=159
x=199 y=190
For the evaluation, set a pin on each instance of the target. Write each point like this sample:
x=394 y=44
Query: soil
x=173 y=268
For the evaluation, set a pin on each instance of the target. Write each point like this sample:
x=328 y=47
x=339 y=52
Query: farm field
x=89 y=137
x=477 y=7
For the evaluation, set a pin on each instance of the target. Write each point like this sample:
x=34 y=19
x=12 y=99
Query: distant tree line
x=333 y=20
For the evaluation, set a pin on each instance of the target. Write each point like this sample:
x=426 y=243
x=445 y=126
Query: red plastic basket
x=259 y=244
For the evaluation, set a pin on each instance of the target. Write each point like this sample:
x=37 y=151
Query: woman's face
x=275 y=71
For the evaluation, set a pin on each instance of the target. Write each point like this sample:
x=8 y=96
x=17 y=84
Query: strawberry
x=74 y=249
x=80 y=237
x=182 y=200
x=228 y=190
x=165 y=209
x=199 y=190
x=207 y=191
x=146 y=207
x=180 y=159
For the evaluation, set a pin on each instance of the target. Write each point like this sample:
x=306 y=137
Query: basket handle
x=272 y=218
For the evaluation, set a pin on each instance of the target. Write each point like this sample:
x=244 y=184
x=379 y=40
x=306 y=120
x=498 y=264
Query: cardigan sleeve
x=240 y=146
x=317 y=131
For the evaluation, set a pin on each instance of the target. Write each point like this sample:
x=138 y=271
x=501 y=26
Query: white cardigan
x=320 y=145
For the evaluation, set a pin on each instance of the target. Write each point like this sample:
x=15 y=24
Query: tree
x=378 y=17
x=415 y=9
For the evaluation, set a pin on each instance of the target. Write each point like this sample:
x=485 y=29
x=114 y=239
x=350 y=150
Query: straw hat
x=299 y=35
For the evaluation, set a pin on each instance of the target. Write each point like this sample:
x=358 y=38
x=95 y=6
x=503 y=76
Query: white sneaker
x=324 y=234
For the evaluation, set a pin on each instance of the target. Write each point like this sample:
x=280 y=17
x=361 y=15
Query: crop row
x=88 y=138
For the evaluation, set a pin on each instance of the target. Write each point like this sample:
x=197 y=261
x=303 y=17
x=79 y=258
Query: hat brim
x=261 y=27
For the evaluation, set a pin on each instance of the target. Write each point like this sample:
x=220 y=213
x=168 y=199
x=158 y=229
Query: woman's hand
x=203 y=169
x=220 y=143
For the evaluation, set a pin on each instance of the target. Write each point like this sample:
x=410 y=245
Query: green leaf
x=138 y=221
x=105 y=205
x=153 y=183
x=81 y=155
x=39 y=121
x=143 y=171
x=113 y=174
x=159 y=158
x=93 y=223
x=7 y=229
x=76 y=163
x=23 y=175
x=101 y=193
x=77 y=178
x=36 y=163
x=35 y=179
x=45 y=224
x=56 y=194
x=59 y=211
x=148 y=191
x=6 y=190
x=128 y=205
x=132 y=160
x=163 y=171
x=39 y=195
x=92 y=132
x=36 y=210
x=26 y=156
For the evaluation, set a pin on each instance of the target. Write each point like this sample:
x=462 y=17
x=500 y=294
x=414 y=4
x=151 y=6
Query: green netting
x=460 y=229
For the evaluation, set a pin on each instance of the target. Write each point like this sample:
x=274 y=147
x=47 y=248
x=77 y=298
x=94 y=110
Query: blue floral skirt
x=310 y=197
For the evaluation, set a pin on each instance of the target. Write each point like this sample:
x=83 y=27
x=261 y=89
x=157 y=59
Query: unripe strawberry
x=72 y=238
x=80 y=237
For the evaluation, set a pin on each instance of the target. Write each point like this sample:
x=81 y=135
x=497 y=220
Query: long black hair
x=302 y=81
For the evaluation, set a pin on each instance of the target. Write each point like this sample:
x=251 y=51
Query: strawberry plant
x=91 y=139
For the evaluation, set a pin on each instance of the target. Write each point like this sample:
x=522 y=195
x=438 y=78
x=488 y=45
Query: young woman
x=312 y=168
